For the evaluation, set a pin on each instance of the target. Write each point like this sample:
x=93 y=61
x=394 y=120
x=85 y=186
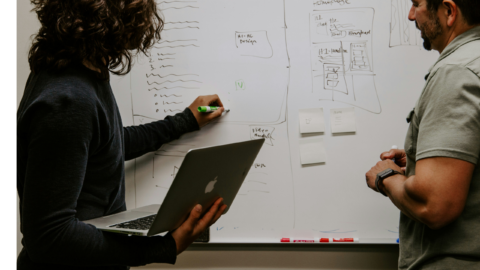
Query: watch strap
x=382 y=176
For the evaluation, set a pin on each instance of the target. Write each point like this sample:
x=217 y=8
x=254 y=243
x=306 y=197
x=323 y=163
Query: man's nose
x=411 y=14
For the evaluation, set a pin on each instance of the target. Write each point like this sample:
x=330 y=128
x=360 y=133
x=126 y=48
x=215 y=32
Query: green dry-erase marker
x=207 y=109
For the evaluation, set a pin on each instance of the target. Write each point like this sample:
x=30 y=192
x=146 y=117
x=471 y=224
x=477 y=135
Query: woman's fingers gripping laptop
x=194 y=225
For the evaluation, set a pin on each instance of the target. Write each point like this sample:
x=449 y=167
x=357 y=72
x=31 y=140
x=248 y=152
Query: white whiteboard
x=267 y=59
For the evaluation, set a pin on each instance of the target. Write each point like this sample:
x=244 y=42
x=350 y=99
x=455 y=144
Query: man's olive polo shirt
x=446 y=123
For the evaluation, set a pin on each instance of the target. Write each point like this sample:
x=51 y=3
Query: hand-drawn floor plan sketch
x=402 y=31
x=342 y=57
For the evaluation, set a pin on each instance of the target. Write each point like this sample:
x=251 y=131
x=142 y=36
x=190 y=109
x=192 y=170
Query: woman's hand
x=194 y=226
x=204 y=118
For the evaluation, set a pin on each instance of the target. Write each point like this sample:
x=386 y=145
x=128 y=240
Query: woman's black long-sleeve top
x=71 y=149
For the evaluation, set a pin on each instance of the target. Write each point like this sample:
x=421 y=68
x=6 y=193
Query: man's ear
x=450 y=11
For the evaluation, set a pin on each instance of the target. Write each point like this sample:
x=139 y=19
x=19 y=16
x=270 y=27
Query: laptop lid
x=205 y=175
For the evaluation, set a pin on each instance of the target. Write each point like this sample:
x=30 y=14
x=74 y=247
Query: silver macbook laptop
x=205 y=175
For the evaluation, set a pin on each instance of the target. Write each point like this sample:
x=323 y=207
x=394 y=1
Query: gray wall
x=226 y=256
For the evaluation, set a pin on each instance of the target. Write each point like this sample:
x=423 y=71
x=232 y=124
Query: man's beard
x=430 y=31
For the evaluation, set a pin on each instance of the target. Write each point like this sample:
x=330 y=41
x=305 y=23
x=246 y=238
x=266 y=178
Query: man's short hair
x=470 y=9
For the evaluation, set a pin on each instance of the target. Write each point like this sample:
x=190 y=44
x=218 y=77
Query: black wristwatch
x=382 y=176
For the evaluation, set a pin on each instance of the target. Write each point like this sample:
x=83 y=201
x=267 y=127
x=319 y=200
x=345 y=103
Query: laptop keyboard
x=138 y=224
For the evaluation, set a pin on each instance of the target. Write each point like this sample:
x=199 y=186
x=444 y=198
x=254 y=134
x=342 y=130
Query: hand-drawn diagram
x=200 y=54
x=246 y=63
x=342 y=63
x=228 y=54
x=402 y=31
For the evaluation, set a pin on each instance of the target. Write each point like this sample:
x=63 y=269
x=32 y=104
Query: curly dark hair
x=105 y=33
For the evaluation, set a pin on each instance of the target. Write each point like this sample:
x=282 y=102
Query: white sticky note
x=343 y=120
x=312 y=151
x=311 y=120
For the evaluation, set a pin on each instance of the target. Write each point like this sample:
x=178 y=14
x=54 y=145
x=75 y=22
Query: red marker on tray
x=345 y=240
x=287 y=240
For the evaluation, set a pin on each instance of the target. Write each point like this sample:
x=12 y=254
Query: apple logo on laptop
x=211 y=185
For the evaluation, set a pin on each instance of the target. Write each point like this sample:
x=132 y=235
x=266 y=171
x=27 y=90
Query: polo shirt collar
x=462 y=39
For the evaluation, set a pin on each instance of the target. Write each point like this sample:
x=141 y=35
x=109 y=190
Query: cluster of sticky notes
x=312 y=149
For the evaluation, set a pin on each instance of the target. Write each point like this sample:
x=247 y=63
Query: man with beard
x=435 y=181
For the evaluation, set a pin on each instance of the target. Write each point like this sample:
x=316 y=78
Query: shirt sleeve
x=450 y=116
x=60 y=139
x=142 y=139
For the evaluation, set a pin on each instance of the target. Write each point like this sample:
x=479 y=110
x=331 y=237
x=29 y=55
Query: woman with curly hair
x=71 y=145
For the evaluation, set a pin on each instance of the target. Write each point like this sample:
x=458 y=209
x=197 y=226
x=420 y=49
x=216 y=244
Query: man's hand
x=194 y=226
x=204 y=118
x=399 y=156
x=371 y=175
x=435 y=196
